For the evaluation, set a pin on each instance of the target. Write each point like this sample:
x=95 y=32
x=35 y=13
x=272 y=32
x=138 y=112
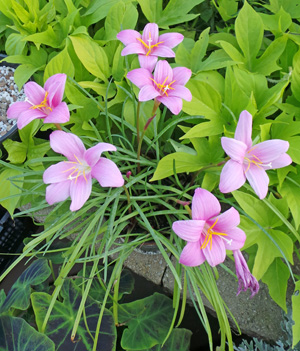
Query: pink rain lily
x=149 y=45
x=73 y=178
x=245 y=278
x=42 y=103
x=208 y=234
x=166 y=86
x=251 y=161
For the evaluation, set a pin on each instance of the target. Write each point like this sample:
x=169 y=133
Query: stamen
x=43 y=104
x=67 y=170
x=77 y=159
x=141 y=40
x=162 y=87
x=84 y=175
x=78 y=174
x=208 y=239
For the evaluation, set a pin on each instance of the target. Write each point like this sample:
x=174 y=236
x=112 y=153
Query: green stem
x=195 y=175
x=128 y=198
x=138 y=123
x=58 y=126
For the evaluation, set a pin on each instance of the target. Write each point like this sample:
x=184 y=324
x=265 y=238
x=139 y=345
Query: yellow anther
x=162 y=87
x=84 y=176
x=43 y=104
x=209 y=235
x=141 y=40
x=77 y=159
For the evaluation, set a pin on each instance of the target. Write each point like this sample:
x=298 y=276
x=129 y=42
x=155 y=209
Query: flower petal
x=232 y=177
x=214 y=252
x=140 y=77
x=17 y=108
x=226 y=221
x=235 y=239
x=27 y=116
x=191 y=255
x=270 y=150
x=181 y=92
x=243 y=130
x=58 y=172
x=34 y=93
x=282 y=161
x=162 y=71
x=55 y=85
x=128 y=36
x=181 y=75
x=171 y=39
x=235 y=149
x=67 y=144
x=258 y=179
x=148 y=92
x=150 y=32
x=204 y=205
x=93 y=154
x=163 y=51
x=107 y=173
x=60 y=114
x=147 y=62
x=133 y=48
x=189 y=230
x=57 y=192
x=174 y=104
x=80 y=191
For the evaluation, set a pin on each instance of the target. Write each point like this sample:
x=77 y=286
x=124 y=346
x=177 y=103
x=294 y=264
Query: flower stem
x=58 y=126
x=128 y=198
x=138 y=122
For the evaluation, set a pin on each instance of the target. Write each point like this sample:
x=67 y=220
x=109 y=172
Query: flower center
x=251 y=158
x=42 y=106
x=163 y=89
x=209 y=232
x=81 y=167
x=149 y=46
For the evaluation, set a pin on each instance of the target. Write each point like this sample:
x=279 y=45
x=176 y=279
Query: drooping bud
x=128 y=174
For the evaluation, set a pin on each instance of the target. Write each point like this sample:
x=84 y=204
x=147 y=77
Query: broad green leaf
x=217 y=59
x=9 y=189
x=61 y=63
x=199 y=50
x=99 y=88
x=148 y=321
x=61 y=321
x=277 y=23
x=96 y=11
x=295 y=83
x=276 y=278
x=118 y=66
x=183 y=53
x=20 y=11
x=92 y=56
x=249 y=32
x=213 y=127
x=15 y=45
x=23 y=73
x=296 y=314
x=294 y=148
x=227 y=8
x=267 y=251
x=232 y=52
x=17 y=335
x=151 y=9
x=16 y=151
x=48 y=37
x=290 y=6
x=19 y=295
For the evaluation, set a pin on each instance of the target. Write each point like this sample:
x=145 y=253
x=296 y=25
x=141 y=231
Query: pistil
x=43 y=104
x=210 y=232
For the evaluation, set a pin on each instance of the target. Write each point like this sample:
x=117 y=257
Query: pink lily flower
x=245 y=278
x=166 y=86
x=149 y=45
x=73 y=178
x=251 y=161
x=208 y=234
x=42 y=103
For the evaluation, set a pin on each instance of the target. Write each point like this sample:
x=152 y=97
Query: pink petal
x=174 y=104
x=80 y=191
x=140 y=77
x=162 y=71
x=214 y=253
x=204 y=205
x=189 y=230
x=58 y=172
x=243 y=130
x=128 y=36
x=107 y=173
x=60 y=114
x=191 y=255
x=34 y=93
x=150 y=32
x=17 y=108
x=269 y=150
x=93 y=154
x=162 y=51
x=171 y=39
x=238 y=238
x=225 y=221
x=282 y=161
x=133 y=48
x=27 y=116
x=147 y=62
x=258 y=179
x=235 y=149
x=148 y=92
x=181 y=75
x=57 y=192
x=181 y=92
x=55 y=85
x=232 y=177
x=67 y=144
